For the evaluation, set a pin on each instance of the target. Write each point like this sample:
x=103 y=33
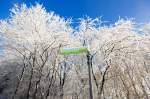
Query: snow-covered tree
x=118 y=56
x=35 y=37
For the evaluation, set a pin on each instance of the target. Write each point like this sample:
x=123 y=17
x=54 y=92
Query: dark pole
x=89 y=63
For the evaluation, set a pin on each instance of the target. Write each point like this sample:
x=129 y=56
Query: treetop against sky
x=110 y=10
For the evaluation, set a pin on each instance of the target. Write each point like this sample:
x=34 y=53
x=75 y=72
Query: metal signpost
x=77 y=51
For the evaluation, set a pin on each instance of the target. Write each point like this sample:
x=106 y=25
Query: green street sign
x=73 y=51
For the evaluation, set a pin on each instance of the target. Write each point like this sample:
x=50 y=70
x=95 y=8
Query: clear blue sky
x=110 y=10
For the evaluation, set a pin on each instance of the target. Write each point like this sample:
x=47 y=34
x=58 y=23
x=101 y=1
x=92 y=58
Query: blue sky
x=110 y=10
